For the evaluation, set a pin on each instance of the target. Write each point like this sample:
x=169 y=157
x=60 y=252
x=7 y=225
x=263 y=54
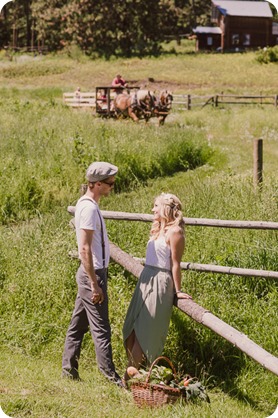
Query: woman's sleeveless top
x=159 y=254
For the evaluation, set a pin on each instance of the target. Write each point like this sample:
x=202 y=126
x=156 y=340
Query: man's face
x=107 y=185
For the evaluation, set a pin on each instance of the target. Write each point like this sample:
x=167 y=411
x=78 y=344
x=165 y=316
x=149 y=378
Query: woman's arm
x=177 y=244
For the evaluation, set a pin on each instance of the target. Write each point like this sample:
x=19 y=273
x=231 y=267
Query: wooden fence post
x=258 y=163
x=188 y=102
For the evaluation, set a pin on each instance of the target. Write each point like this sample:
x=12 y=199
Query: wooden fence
x=212 y=268
x=183 y=101
x=191 y=308
x=80 y=100
x=189 y=101
x=39 y=49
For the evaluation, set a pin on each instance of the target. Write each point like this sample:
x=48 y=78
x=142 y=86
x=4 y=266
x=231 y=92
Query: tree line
x=99 y=27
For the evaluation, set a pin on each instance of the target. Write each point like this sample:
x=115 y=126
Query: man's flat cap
x=100 y=170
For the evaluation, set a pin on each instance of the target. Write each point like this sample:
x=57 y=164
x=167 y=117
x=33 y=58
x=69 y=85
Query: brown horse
x=139 y=105
x=164 y=106
x=123 y=106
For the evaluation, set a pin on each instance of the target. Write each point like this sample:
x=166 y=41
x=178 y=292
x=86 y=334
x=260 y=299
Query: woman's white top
x=159 y=254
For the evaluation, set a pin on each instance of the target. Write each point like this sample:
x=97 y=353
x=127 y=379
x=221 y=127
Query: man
x=119 y=83
x=91 y=305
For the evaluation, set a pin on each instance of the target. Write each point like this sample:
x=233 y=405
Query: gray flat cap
x=100 y=170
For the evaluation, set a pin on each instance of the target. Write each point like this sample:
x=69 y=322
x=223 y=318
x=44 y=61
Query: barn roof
x=243 y=8
x=207 y=29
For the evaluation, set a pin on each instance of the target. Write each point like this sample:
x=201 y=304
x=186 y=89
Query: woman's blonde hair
x=170 y=214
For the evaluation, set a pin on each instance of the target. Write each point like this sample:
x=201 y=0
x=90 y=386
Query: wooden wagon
x=104 y=101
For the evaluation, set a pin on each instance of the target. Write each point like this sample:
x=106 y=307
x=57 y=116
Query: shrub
x=266 y=55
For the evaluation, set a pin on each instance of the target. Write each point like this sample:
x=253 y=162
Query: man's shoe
x=121 y=384
x=71 y=374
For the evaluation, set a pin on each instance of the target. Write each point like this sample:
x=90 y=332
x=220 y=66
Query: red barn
x=238 y=25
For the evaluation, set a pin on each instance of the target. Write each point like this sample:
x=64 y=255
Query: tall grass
x=51 y=147
x=205 y=157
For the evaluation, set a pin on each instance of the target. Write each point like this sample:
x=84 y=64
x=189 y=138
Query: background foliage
x=101 y=28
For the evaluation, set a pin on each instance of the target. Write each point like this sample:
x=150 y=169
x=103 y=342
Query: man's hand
x=97 y=292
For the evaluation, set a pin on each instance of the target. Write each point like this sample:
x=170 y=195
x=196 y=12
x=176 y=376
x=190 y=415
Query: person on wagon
x=77 y=92
x=119 y=83
x=148 y=317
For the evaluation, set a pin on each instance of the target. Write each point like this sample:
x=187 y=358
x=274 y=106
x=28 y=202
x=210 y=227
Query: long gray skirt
x=150 y=311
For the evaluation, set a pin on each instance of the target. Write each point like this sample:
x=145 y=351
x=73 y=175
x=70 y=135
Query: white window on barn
x=246 y=39
x=209 y=41
x=235 y=39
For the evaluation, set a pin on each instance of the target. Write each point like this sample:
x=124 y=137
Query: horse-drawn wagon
x=105 y=99
x=133 y=102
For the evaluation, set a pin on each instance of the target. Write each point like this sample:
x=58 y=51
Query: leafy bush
x=165 y=152
x=266 y=55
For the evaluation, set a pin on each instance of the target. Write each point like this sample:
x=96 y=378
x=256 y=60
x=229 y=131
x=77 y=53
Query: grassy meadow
x=205 y=156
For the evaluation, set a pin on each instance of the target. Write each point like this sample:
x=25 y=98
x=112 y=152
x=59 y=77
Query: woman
x=148 y=316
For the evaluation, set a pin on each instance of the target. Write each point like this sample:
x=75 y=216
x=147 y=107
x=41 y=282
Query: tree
x=130 y=27
x=47 y=22
x=100 y=27
x=15 y=28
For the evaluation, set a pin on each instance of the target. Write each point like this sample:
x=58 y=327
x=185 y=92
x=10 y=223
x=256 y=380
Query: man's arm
x=86 y=238
x=115 y=83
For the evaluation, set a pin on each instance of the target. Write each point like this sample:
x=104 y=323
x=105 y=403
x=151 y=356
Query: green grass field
x=205 y=156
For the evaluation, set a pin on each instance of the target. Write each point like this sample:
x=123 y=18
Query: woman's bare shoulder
x=175 y=230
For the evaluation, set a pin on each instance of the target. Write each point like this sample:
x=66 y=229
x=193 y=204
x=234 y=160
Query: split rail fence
x=81 y=100
x=191 y=308
x=189 y=101
x=183 y=101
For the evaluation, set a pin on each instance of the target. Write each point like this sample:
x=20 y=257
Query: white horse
x=146 y=98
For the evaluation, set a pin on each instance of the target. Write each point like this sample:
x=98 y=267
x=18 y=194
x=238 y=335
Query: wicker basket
x=148 y=394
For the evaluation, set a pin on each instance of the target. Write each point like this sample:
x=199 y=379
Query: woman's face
x=157 y=210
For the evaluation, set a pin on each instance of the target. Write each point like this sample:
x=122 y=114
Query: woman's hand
x=182 y=295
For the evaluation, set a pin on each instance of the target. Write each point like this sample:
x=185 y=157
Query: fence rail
x=128 y=216
x=80 y=100
x=188 y=101
x=235 y=271
x=31 y=48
